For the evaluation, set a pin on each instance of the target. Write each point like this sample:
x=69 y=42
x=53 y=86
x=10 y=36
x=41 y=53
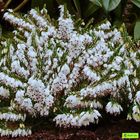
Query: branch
x=20 y=5
x=7 y=4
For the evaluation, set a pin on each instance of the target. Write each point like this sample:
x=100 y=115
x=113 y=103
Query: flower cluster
x=4 y=92
x=17 y=21
x=113 y=108
x=15 y=133
x=12 y=117
x=67 y=70
x=82 y=119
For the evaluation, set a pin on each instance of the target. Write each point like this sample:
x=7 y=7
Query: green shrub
x=65 y=71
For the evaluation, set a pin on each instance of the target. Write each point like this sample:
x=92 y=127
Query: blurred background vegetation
x=94 y=11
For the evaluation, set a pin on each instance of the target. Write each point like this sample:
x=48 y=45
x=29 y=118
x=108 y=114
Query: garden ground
x=111 y=130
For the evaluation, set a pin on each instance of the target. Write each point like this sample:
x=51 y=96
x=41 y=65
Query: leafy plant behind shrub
x=64 y=70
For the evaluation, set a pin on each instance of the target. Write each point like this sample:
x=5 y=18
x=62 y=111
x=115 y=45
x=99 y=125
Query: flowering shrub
x=65 y=69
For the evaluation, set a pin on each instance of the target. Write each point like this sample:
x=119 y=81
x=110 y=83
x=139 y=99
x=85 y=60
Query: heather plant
x=65 y=71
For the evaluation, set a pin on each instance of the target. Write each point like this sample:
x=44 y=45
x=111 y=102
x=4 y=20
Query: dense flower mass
x=66 y=69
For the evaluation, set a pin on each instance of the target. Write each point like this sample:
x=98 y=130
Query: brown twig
x=20 y=5
x=7 y=4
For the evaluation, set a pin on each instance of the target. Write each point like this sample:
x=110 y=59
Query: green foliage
x=136 y=2
x=90 y=10
x=137 y=31
x=97 y=2
x=108 y=5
